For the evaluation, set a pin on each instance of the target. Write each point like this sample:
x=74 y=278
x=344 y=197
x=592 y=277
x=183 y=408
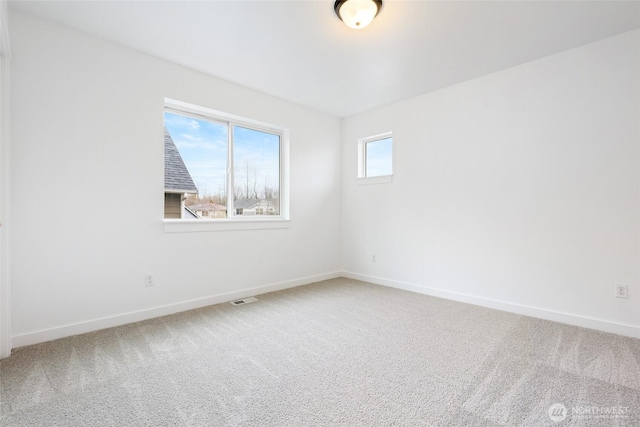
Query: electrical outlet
x=622 y=291
x=148 y=280
x=373 y=258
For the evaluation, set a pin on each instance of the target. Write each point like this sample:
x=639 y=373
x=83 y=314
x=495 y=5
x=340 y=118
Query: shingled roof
x=176 y=176
x=207 y=207
x=249 y=203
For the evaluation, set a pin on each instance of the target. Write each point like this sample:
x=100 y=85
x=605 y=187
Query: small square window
x=378 y=157
x=375 y=156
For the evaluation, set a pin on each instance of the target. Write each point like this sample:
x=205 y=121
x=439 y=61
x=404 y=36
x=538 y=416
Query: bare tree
x=255 y=184
x=222 y=194
x=251 y=184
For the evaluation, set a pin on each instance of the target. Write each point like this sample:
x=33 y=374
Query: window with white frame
x=375 y=156
x=225 y=167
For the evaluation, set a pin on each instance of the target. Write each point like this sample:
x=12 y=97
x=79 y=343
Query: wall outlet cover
x=622 y=291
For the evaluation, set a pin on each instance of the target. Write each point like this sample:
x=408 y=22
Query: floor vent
x=244 y=301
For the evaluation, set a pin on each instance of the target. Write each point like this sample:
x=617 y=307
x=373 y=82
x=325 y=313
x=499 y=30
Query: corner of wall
x=5 y=295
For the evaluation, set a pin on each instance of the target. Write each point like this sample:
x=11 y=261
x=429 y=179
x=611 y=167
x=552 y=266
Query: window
x=223 y=163
x=375 y=158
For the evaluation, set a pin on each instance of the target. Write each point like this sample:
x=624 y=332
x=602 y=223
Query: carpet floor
x=339 y=352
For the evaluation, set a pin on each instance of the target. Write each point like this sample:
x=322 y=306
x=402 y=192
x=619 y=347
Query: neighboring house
x=177 y=181
x=209 y=210
x=256 y=207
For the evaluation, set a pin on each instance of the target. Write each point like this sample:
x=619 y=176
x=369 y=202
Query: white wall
x=522 y=186
x=87 y=188
x=5 y=57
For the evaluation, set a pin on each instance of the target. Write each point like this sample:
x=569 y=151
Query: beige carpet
x=339 y=352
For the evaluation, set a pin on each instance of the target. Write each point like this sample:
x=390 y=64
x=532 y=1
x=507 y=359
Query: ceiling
x=300 y=51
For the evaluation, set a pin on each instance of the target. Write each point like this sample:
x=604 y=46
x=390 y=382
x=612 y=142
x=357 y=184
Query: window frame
x=233 y=221
x=362 y=160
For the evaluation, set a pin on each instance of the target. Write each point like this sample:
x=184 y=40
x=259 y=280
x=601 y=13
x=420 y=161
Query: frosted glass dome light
x=357 y=13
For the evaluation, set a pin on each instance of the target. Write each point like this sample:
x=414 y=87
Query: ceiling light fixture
x=357 y=13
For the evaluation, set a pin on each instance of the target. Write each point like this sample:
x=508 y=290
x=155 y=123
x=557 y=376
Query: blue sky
x=203 y=147
x=379 y=157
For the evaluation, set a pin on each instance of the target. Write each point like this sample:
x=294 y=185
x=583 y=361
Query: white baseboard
x=136 y=316
x=122 y=319
x=541 y=313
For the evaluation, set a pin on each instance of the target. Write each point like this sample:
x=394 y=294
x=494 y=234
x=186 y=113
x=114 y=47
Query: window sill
x=375 y=180
x=204 y=225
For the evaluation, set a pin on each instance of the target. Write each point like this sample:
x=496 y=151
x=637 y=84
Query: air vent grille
x=244 y=301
